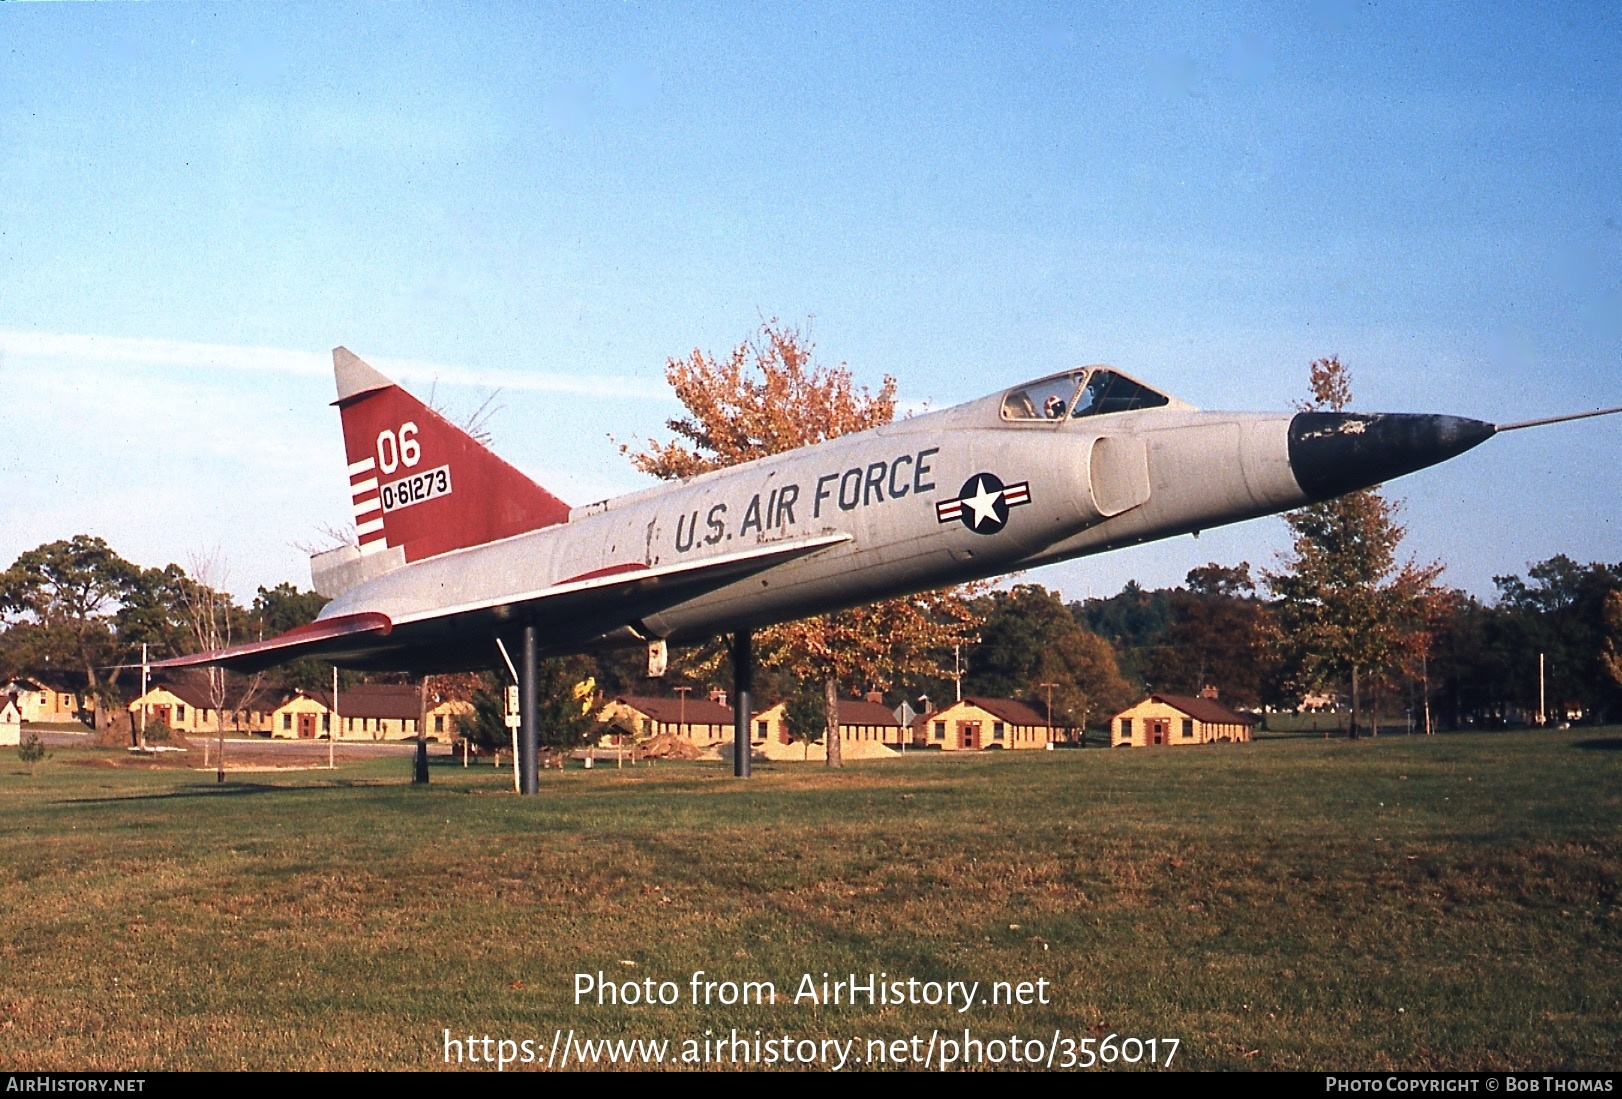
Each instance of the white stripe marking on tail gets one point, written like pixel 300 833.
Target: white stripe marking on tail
pixel 365 465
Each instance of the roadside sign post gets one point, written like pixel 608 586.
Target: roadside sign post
pixel 513 720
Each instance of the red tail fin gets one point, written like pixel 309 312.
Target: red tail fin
pixel 421 483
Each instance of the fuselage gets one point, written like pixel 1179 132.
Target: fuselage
pixel 928 501
pixel 458 554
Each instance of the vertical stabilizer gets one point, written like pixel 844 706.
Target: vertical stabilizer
pixel 421 484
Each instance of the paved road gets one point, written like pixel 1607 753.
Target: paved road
pixel 264 750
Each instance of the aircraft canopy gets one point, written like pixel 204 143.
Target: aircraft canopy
pixel 1093 392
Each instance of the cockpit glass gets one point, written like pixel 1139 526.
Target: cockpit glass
pixel 1107 391
pixel 1048 399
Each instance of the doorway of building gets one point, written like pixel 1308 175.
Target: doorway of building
pixel 1159 731
pixel 968 735
pixel 306 726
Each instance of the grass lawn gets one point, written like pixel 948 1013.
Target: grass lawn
pixel 1442 902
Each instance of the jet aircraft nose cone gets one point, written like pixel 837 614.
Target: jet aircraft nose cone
pixel 1333 453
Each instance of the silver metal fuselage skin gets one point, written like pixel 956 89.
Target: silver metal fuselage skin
pixel 1091 484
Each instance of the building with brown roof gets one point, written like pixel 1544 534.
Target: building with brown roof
pixel 703 722
pixel 1166 720
pixel 977 724
pixel 867 728
pixel 47 698
pixel 367 711
pixel 186 706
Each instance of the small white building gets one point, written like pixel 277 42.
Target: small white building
pixel 11 721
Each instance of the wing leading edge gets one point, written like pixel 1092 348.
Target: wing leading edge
pixel 444 638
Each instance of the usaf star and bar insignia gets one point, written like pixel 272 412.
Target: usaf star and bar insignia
pixel 983 502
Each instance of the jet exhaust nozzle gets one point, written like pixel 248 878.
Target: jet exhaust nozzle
pixel 1333 453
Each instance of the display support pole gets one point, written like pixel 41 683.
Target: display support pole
pixel 420 777
pixel 529 738
pixel 332 720
pixel 743 675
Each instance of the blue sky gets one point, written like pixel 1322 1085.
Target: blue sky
pixel 197 202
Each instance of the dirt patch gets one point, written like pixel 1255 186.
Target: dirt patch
pixel 667 746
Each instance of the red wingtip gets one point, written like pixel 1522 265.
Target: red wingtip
pixel 284 647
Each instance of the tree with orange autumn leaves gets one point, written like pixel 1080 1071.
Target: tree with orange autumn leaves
pixel 770 395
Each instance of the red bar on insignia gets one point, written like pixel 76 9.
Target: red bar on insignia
pixel 949 510
pixel 1017 494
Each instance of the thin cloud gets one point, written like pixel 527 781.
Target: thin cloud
pixel 180 354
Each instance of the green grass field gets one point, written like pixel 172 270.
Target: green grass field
pixel 1443 902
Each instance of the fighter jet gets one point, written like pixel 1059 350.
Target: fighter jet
pixel 461 557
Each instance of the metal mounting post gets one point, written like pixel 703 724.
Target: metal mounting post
pixel 529 736
pixel 743 675
pixel 420 775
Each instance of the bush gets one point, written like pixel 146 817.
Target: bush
pixel 31 751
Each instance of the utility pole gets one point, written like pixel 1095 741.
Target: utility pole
pixel 1425 679
pixel 957 665
pixel 1543 716
pixel 1049 687
pixel 682 693
pixel 140 736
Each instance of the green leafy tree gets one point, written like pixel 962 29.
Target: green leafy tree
pixel 1135 622
pixel 566 710
pixel 1464 670
pixel 1029 638
pixel 805 718
pixel 282 608
pixel 285 607
pixel 66 593
pixel 487 725
pixel 1559 610
pixel 1347 608
pixel 153 613
pixel 1221 635
pixel 1611 648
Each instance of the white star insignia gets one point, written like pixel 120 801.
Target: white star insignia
pixel 984 503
